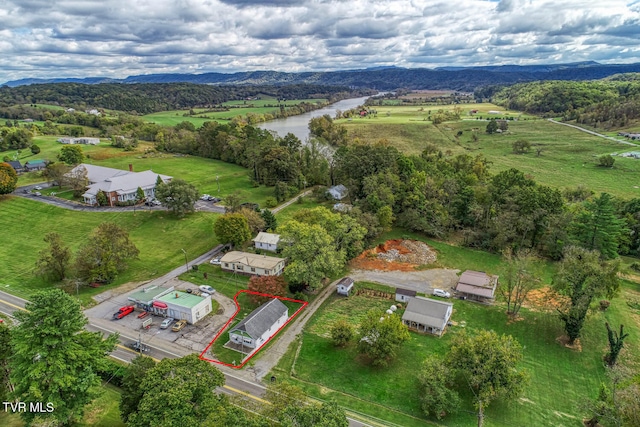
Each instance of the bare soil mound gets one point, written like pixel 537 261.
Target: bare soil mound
pixel 397 254
pixel 545 299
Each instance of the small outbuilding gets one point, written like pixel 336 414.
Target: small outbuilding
pixel 267 241
pixel 403 295
pixel 344 286
pixel 16 165
pixel 427 315
pixel 338 192
pixel 260 325
pixel 477 285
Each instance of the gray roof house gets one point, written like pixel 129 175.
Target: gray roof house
pixel 477 285
pixel 118 185
pixel 267 241
pixel 338 192
pixel 260 325
pixel 427 315
pixel 16 165
pixel 35 165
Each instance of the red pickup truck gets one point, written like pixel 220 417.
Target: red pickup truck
pixel 127 309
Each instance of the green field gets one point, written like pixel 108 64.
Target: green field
pixel 560 378
pixel 568 156
pixel 236 108
pixel 158 235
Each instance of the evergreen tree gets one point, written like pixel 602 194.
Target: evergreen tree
pixel 597 226
pixel 270 221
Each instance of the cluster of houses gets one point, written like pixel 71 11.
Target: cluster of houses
pixel 431 316
pixel 632 136
pixel 30 166
pixel 81 140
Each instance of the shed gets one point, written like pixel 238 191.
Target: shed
pixel 477 285
pixel 427 315
pixel 16 165
pixel 267 241
pixel 403 295
pixel 260 325
pixel 338 192
pixel 344 286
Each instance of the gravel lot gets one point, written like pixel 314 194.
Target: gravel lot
pixel 420 281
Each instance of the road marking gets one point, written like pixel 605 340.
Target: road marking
pixel 244 393
pixel 12 305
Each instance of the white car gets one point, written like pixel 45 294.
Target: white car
pixel 37 187
pixel 215 261
pixel 441 293
pixel 166 323
pixel 206 288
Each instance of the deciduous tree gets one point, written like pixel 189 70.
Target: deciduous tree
pixel 254 220
pixel 5 353
pixel 341 332
pixel 178 393
pixel 519 280
pixel 54 359
pixel 105 254
pixel 616 342
pixel 132 391
pixel 583 276
pixel 53 261
pixel 178 195
pixel 272 285
pixel 380 336
pixel 488 364
pixel 55 172
pixel 232 228
pixel 71 154
pixel 437 389
pixel 311 253
pixel 8 178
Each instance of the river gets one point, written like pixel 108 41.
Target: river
pixel 299 125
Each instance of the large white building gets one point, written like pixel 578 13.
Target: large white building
pixel 120 186
pixel 168 302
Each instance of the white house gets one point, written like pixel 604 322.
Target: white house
pixel 267 241
pixel 403 295
pixel 118 185
pixel 260 325
pixel 427 315
pixel 344 286
pixel 249 264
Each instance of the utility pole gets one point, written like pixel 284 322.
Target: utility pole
pixel 185 259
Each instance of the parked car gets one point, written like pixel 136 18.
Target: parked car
pixel 441 293
pixel 166 323
pixel 215 199
pixel 153 202
pixel 215 261
pixel 206 288
pixel 37 193
pixel 177 327
pixel 37 187
pixel 124 311
pixel 206 197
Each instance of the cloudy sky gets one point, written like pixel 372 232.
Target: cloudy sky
pixel 118 38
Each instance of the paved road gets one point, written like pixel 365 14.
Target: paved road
pixel 621 141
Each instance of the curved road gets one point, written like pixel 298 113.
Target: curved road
pixel 594 133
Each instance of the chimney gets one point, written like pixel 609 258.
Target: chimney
pixel 130 167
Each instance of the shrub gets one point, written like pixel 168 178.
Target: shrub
pixel 301 296
pixel 604 304
pixel 606 161
pixel 271 202
pixel 341 333
pixel 635 266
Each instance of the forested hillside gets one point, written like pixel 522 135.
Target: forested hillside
pixel 151 98
pixel 609 103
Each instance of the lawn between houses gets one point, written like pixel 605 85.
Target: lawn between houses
pixel 158 235
pixel 560 378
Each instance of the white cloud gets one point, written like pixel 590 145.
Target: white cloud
pixel 117 38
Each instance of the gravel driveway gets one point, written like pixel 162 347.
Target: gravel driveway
pixel 420 281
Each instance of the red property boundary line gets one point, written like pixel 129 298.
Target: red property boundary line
pixel 222 330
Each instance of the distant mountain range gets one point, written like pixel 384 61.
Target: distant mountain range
pixel 382 78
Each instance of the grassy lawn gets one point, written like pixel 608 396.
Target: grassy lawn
pixel 102 412
pixel 560 377
pixel 156 234
pixel 568 158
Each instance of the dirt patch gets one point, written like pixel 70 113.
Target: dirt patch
pixel 564 340
pixel 395 255
pixel 545 299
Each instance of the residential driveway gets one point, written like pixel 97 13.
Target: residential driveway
pixel 420 281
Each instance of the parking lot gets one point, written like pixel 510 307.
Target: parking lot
pixel 192 337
